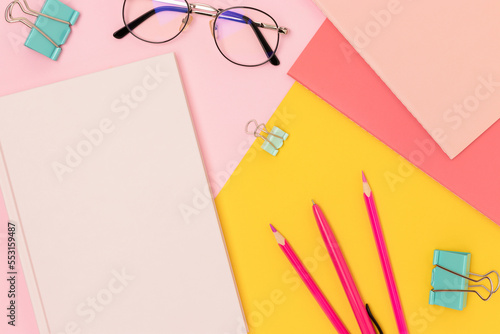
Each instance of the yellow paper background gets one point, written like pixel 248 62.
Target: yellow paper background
pixel 322 160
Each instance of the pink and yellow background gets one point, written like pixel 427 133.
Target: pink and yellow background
pixel 418 216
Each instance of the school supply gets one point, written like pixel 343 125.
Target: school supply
pixel 309 282
pixel 384 257
pixel 343 272
pixel 450 280
pixel 51 28
pixel 441 66
pixel 333 70
pixel 116 224
pixel 274 139
pixel 416 217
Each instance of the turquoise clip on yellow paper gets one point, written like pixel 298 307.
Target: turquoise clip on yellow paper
pixel 274 139
pixel 51 28
pixel 450 280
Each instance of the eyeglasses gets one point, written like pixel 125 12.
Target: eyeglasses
pixel 245 36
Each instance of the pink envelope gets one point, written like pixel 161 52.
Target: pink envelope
pixel 332 69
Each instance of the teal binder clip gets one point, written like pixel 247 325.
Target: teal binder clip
pixel 274 139
pixel 450 280
pixel 51 28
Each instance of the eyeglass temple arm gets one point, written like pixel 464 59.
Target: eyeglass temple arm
pixel 228 15
pixel 263 42
pixel 125 30
pixel 122 32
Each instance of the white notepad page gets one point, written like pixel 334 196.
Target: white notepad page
pixel 118 230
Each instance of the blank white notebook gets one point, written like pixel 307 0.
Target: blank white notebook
pixel 118 230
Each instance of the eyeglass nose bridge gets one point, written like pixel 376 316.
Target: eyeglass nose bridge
pixel 203 9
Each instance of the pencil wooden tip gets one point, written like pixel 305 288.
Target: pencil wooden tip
pixel 279 237
pixel 366 187
pixel 313 202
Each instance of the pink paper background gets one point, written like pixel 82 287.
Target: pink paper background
pixel 333 70
pixel 222 96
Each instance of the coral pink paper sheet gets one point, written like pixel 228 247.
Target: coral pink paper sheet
pixel 332 69
pixel 441 59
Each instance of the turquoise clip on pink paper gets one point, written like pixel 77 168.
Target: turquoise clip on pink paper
pixel 51 28
pixel 450 280
pixel 274 139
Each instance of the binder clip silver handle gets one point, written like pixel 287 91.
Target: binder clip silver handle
pixel 49 30
pixel 27 10
pixel 261 128
pixel 491 291
pixel 9 17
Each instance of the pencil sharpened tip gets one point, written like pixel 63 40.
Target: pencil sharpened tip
pixel 364 177
pixel 272 228
pixel 313 202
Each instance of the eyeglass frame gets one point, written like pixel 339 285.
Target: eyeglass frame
pixel 194 8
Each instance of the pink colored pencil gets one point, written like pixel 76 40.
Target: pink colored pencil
pixel 345 276
pixel 308 280
pixel 384 257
